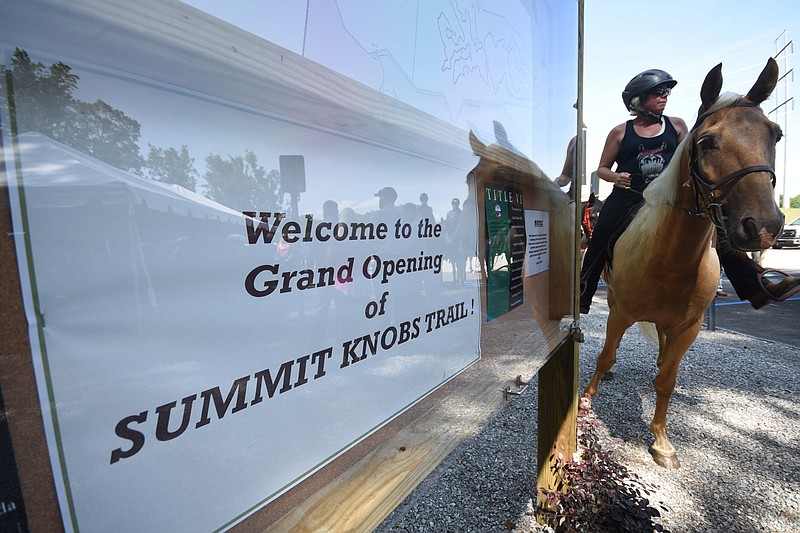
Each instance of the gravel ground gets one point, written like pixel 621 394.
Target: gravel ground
pixel 732 419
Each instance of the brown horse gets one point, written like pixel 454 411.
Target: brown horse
pixel 664 270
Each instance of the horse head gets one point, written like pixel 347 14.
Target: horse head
pixel 733 160
pixel 504 162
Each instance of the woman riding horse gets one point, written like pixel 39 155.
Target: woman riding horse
pixel 641 149
pixel 664 270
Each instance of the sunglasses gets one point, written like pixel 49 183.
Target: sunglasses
pixel 661 91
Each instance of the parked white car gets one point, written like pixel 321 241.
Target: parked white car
pixel 790 236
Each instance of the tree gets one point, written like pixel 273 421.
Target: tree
pixel 241 183
pixel 169 165
pixel 42 100
pixel 41 96
pixel 106 134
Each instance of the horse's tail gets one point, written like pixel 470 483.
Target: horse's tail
pixel 649 331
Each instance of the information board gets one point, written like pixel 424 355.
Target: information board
pixel 233 242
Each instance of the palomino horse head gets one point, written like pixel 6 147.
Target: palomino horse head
pixel 733 160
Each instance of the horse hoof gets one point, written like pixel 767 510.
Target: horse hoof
pixel 670 462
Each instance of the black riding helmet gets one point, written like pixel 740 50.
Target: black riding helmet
pixel 643 82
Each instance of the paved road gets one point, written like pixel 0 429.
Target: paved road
pixel 778 321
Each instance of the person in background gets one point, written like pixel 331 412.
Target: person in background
pixel 425 211
pixel 570 169
pixel 457 257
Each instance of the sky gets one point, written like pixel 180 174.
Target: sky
pixel 687 38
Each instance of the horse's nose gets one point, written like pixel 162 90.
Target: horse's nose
pixel 754 235
pixel 750 229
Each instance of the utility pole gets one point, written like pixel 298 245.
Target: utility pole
pixel 785 103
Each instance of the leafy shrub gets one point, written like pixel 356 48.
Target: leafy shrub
pixel 597 493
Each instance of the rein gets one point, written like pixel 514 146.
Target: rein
pixel 708 195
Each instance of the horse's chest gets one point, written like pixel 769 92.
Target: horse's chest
pixel 666 300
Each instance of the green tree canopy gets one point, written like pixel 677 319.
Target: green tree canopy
pixel 169 165
pixel 241 183
pixel 42 100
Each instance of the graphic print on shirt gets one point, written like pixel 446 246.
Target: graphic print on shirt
pixel 651 160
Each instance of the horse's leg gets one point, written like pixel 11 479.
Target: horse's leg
pixel 661 340
pixel 669 359
pixel 615 328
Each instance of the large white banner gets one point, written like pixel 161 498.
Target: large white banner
pixel 197 362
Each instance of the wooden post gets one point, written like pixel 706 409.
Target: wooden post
pixel 557 413
pixel 558 378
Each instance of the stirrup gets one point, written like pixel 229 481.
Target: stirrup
pixel 789 290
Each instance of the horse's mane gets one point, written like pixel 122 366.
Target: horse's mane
pixel 659 196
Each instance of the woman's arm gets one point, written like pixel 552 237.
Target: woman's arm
pixel 609 156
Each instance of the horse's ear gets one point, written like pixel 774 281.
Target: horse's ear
pixel 712 85
pixel 478 148
pixel 765 83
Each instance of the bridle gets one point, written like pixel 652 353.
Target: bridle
pixel 709 196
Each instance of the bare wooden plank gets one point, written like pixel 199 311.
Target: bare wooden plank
pixel 558 409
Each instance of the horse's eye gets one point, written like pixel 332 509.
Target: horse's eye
pixel 706 142
pixel 779 136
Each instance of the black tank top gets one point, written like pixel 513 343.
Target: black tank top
pixel 645 157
